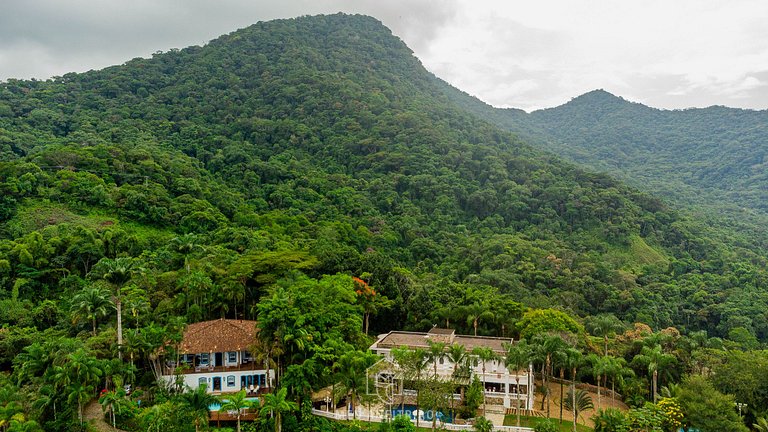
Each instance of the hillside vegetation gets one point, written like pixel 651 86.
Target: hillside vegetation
pixel 252 177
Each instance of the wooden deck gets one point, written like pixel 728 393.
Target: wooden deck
pixel 217 416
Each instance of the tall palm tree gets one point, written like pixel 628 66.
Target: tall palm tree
pixel 616 369
pixel 457 354
pixel 654 359
pixel 236 403
pixel 436 352
pixel 544 348
pixel 560 361
pixel 111 403
pixel 419 365
pixel 198 402
pixel 476 312
pixel 276 405
pixel 79 393
pixel 600 368
pixel 351 372
pixel 579 401
pixel 573 360
pixel 484 354
pixel 604 325
pixel 116 272
pixel 518 358
pixel 91 303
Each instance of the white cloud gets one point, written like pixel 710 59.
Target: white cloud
pixel 523 54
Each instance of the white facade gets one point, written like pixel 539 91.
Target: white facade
pixel 498 381
pixel 223 381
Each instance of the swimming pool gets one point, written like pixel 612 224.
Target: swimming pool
pixel 426 415
pixel 217 406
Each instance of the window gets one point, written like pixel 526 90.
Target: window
pixel 442 360
pixel 230 381
pixel 232 357
pixel 204 359
pixel 202 381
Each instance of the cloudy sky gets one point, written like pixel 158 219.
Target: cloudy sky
pixel 524 54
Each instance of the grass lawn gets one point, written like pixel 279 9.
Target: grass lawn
pixel 527 421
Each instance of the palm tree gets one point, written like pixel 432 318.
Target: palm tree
pixel 600 368
pixel 198 402
pixel 573 359
pixel 351 372
pixel 436 352
pixel 616 369
pixel 476 312
pixel 236 402
pixel 484 354
pixel 544 348
pixel 116 272
pixel 604 325
pixel 457 354
pixel 654 359
pixel 561 361
pixel 185 245
pixel 578 401
pixel 761 425
pixel 264 349
pixel 518 358
pixel 276 405
pixel 79 393
pixel 90 304
pixel 419 365
pixel 111 403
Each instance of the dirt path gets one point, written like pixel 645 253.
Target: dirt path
pixel 584 417
pixel 94 416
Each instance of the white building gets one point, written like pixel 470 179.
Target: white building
pixel 500 383
pixel 215 353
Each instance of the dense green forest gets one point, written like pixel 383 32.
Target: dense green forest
pixel 707 161
pixel 253 177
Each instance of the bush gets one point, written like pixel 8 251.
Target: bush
pixel 546 426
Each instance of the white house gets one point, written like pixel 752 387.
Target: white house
pixel 500 383
pixel 215 353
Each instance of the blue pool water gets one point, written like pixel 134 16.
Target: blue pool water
pixel 216 406
pixel 427 415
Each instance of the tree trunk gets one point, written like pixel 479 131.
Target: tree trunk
pixel 94 325
pixel 119 305
pixel 517 381
pixel 417 407
pixel 573 397
pixel 366 322
pixel 598 391
pixel 562 379
pixel 483 384
pixel 655 377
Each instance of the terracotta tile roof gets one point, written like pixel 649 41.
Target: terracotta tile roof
pixel 414 340
pixel 218 336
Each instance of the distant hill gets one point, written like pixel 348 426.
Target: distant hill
pixel 698 156
pixel 321 144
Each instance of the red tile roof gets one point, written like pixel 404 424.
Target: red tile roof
pixel 218 336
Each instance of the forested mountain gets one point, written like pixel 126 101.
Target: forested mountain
pixel 295 149
pixel 327 137
pixel 706 159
